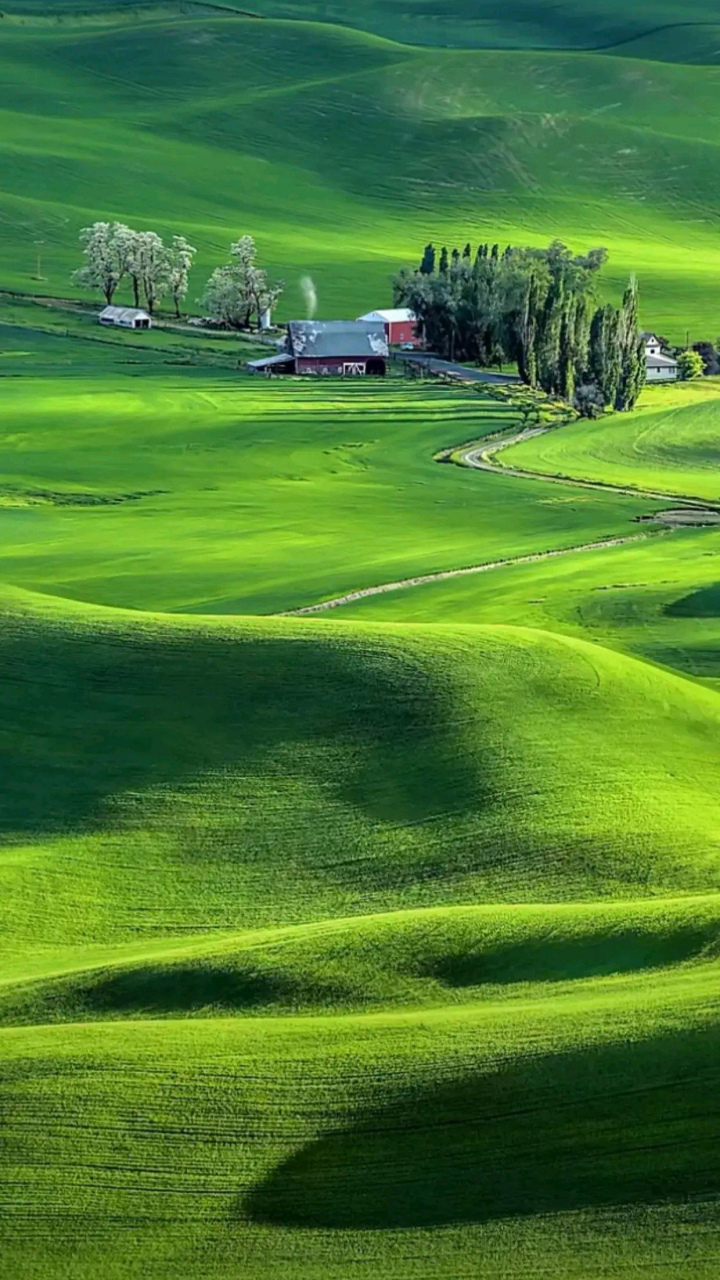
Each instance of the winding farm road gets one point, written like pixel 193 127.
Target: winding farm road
pixel 443 574
pixel 481 457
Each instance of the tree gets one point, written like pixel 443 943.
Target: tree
pixel 240 290
pixel 604 355
pixel 690 365
pixel 179 261
pixel 150 264
pixel 107 249
pixel 427 266
pixel 633 362
pixel 444 260
pixel 709 354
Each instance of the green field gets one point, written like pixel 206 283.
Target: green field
pixel 382 942
pixel 204 126
pixel 670 444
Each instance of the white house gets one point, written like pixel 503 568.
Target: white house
pixel 660 368
pixel 125 317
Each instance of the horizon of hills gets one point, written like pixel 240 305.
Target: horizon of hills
pixel 204 124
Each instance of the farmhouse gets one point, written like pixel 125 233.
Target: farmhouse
pixel 345 348
pixel 660 368
pixel 399 322
pixel 125 317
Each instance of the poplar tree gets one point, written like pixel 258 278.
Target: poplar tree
pixel 633 363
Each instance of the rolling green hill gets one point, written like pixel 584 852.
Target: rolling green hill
pixel 381 943
pixel 205 125
pixel 186 789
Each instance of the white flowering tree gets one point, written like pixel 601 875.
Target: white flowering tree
pixel 107 248
pixel 179 261
pixel 240 291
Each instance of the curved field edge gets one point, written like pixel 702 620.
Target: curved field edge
pixel 668 444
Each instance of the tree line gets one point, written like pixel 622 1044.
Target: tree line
pixel 237 293
pixel 535 308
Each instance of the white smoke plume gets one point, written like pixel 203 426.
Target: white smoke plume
pixel 309 293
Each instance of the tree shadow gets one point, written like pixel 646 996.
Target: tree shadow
pixel 627 1123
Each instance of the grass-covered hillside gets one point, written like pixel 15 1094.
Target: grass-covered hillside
pixel 380 942
pixel 248 1025
pixel 670 444
pixel 344 152
pixel 329 946
pixel 594 24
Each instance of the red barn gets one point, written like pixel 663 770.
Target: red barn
pixel 400 327
pixel 344 348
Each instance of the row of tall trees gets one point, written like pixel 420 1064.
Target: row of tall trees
pixel 536 308
pixel 237 293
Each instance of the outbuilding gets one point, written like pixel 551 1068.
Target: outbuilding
pixel 660 368
pixel 400 325
pixel 343 348
pixel 126 317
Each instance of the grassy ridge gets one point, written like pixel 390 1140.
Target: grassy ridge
pixel 204 126
pixel 222 775
pixel 597 24
pixel 562 1137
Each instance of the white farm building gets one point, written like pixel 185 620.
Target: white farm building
pixel 125 317
pixel 660 368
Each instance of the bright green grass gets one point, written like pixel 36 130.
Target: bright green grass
pixel 671 444
pixel 659 599
pixel 218 493
pixel 206 126
pixel 185 789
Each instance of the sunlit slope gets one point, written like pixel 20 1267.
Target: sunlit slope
pixel 218 125
pixel 197 490
pixel 164 776
pixel 428 956
pixel 671 444
pixel 572 1136
pixel 658 598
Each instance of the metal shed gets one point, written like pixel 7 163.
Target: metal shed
pixel 126 317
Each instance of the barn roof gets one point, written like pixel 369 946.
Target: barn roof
pixel 390 315
pixel 124 313
pixel 351 338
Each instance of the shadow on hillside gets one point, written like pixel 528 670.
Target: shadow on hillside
pixel 181 989
pixel 703 603
pixel 555 958
pixel 90 715
pixel 630 1123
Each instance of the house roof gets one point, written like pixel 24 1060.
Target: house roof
pixel 661 362
pixel 124 313
pixel 390 315
pixel 353 339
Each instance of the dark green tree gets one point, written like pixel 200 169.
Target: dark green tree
pixel 427 266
